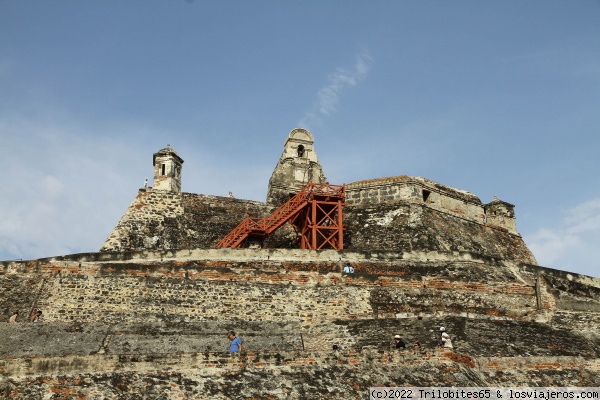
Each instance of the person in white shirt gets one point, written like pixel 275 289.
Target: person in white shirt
pixel 445 340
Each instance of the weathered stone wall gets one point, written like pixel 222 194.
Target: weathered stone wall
pixel 278 375
pixel 87 338
pixel 120 283
pixel 436 196
pixel 417 189
pixel 303 291
pixel 409 226
pixel 144 222
pixel 159 220
pixel 151 324
pixel 164 220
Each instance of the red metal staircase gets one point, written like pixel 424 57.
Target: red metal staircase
pixel 315 212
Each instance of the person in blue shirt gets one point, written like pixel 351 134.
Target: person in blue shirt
pixel 235 346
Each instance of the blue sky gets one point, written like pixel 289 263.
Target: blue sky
pixel 496 98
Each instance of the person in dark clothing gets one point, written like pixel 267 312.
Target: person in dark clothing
pixel 399 342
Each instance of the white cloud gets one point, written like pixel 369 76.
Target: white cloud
pixel 574 243
pixel 52 186
pixel 550 245
pixel 328 96
pixel 61 193
pixel 585 217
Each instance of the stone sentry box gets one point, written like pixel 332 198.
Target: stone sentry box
pixel 167 170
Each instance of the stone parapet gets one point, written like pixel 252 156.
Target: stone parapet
pixel 404 187
pixel 458 203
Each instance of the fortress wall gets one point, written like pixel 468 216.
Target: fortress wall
pixel 55 339
pixel 418 190
pixel 164 220
pixel 298 291
pixel 151 325
pixel 388 213
pixel 306 375
pixel 584 322
pixel 148 211
pixel 377 191
pixel 217 362
pixel 408 227
pixel 476 335
pixel 311 294
pixel 18 292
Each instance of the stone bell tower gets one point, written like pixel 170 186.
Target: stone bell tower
pixel 297 166
pixel 167 170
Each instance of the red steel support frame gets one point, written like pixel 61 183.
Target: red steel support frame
pixel 320 223
pixel 315 212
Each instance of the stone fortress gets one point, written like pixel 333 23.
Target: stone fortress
pixel 146 316
pixel 380 214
